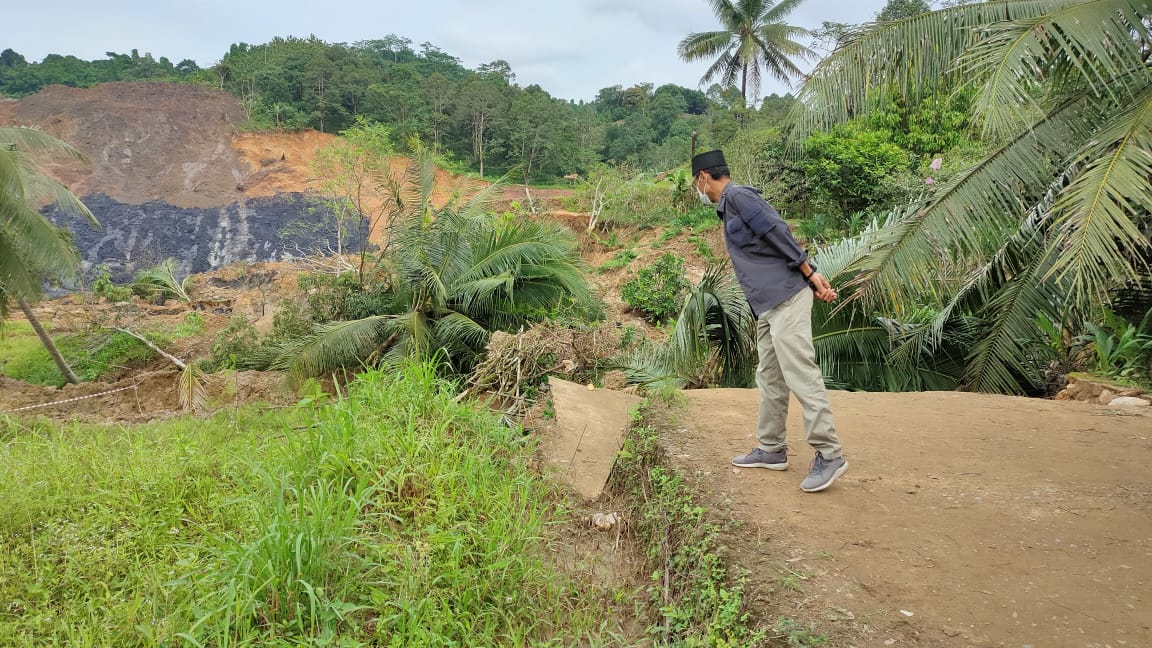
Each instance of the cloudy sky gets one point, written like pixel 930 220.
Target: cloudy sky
pixel 572 48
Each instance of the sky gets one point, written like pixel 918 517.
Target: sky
pixel 571 48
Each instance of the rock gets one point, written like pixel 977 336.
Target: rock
pixel 1128 401
pixel 1106 396
pixel 605 521
pixel 1073 388
pixel 1065 395
pixel 949 631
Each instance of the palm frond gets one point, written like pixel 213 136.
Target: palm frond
pixel 36 141
pixel 1101 40
pixel 968 212
pixel 336 345
pixel 715 326
pixel 1099 241
pixel 702 45
pixel 916 56
pixel 192 390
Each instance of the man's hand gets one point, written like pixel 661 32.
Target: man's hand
pixel 823 289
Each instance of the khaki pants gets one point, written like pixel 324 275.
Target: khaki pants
pixel 788 363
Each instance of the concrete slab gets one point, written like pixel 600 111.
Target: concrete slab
pixel 590 429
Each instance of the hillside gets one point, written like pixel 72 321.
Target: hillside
pixel 169 174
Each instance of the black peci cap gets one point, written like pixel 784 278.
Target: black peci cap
pixel 708 160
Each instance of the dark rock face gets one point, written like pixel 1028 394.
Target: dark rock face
pixel 131 237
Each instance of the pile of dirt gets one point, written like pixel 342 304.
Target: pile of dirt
pixel 143 141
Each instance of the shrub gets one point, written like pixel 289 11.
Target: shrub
pixel 289 322
pixel 235 347
pixel 102 285
pixel 656 289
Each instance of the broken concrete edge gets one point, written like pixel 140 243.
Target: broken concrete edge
pixel 590 428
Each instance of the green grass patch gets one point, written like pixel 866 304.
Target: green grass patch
pixel 91 355
pixel 393 516
pixel 619 260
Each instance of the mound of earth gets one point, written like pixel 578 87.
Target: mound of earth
pixel 143 141
pixel 182 145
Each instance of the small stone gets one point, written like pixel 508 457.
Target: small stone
pixel 1106 396
pixel 907 613
pixel 949 631
pixel 1065 395
pixel 605 521
pixel 1128 401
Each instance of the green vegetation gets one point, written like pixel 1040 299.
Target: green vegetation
pixel 622 259
pixel 390 515
pixel 712 342
pixel 449 277
pixel 754 36
pixel 19 78
pixel 656 290
pixel 160 282
pixel 694 595
pixel 92 355
pixel 32 250
pixel 1051 223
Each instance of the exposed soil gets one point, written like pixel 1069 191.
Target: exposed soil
pixel 143 141
pixel 993 521
pixel 181 145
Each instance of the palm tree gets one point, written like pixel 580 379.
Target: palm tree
pixel 753 36
pixel 1056 216
pixel 712 343
pixel 448 278
pixel 33 250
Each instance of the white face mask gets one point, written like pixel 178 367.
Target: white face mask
pixel 704 197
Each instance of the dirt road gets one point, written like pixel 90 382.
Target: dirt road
pixel 964 519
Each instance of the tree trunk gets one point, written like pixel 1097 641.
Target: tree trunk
pixel 69 375
pixel 744 84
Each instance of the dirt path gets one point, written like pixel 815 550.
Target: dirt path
pixel 994 521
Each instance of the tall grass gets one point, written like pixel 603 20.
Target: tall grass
pixel 392 516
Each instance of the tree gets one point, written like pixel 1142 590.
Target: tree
pixel 1056 216
pixel 33 250
pixel 902 9
pixel 753 36
pixel 451 277
pixel 481 102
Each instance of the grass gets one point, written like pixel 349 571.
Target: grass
pixel 91 354
pixel 392 516
pixel 621 259
pixel 694 597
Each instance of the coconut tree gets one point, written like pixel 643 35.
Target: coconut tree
pixel 32 249
pixel 1056 216
pixel 449 277
pixel 753 36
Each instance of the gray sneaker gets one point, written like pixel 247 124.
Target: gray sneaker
pixel 823 473
pixel 762 459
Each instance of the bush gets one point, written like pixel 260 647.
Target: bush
pixel 236 347
pixel 289 322
pixel 656 290
pixel 853 168
pixel 102 285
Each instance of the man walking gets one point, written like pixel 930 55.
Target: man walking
pixel 779 282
